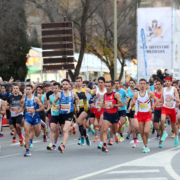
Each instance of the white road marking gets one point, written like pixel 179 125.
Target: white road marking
pixel 24 141
pixel 134 171
pixel 10 155
pixel 153 160
pixel 132 141
pixel 159 178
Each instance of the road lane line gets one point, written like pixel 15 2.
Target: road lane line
pixel 10 155
pixel 159 178
pixel 133 171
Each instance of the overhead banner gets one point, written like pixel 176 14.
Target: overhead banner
pixel 157 26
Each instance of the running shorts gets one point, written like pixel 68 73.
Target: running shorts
pixel 157 115
pixel 42 116
pixel 66 117
pixel 82 110
pixel 56 120
pixel 98 114
pixel 32 120
pixel 17 120
pixel 122 113
pixel 112 118
pixel 144 116
pixel 170 112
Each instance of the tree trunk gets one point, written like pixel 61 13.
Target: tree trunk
pixel 122 70
pixel 111 73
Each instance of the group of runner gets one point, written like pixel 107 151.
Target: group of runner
pixel 104 107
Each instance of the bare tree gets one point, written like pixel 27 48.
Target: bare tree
pixel 79 12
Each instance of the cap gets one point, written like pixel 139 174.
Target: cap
pixel 47 85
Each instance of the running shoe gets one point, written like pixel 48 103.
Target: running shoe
pixel 30 145
pixel 54 147
pixel 14 140
pixel 92 129
pixel 74 129
pixel 146 150
pixel 79 137
pixel 81 142
pixel 139 137
pixel 49 147
pixel 110 142
pixel 152 126
pixel 158 137
pixel 21 142
pixel 160 145
pixel 164 136
pixel 88 142
pixel 96 139
pixel 134 145
pixel 127 122
pixel 45 139
pixel 12 133
pixel 173 135
pixel 27 154
pixel 1 135
pixel 122 128
pixel 105 149
pixel 100 146
pixel 61 149
pixel 128 136
pixel 121 139
pixel 116 139
pixel 176 142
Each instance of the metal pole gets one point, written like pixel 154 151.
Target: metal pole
pixel 115 39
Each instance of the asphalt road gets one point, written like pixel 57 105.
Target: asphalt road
pixel 122 162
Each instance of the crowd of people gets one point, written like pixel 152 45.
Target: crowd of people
pixel 96 106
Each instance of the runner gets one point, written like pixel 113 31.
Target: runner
pixel 55 118
pixel 110 103
pixel 66 110
pixel 84 111
pixel 2 113
pixel 121 111
pixel 144 114
pixel 170 96
pixel 130 92
pixel 157 110
pixel 30 105
pixel 13 103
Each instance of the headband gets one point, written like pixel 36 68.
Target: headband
pixel 168 78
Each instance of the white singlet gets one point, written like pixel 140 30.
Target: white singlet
pixel 168 102
pixel 144 103
pixel 99 100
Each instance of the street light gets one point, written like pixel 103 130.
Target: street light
pixel 115 39
pixel 125 70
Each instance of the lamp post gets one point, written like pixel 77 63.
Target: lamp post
pixel 115 39
pixel 125 70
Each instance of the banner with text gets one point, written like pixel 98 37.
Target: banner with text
pixel 157 26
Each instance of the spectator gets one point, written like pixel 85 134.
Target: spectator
pixel 160 75
pixel 151 80
pixel 166 73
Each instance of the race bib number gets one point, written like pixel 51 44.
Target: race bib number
pixel 133 108
pixel 169 105
pixel 107 105
pixel 81 102
pixel 54 108
pixel 29 109
pixel 65 107
pixel 144 106
pixel 160 104
pixel 14 109
pixel 5 102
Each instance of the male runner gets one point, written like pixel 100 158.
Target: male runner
pixel 130 93
pixel 169 96
pixel 121 111
pixel 99 94
pixel 66 110
pixel 144 114
pixel 157 110
pixel 13 103
pixel 84 111
pixel 30 105
pixel 4 96
pixel 2 113
pixel 110 103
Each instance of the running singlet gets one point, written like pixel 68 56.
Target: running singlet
pixel 160 104
pixel 66 103
pixel 14 102
pixel 42 99
pixel 144 103
pixel 30 104
pixel 83 103
pixel 4 97
pixel 99 100
pixel 109 100
pixel 54 111
pixel 168 102
pixel 130 93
